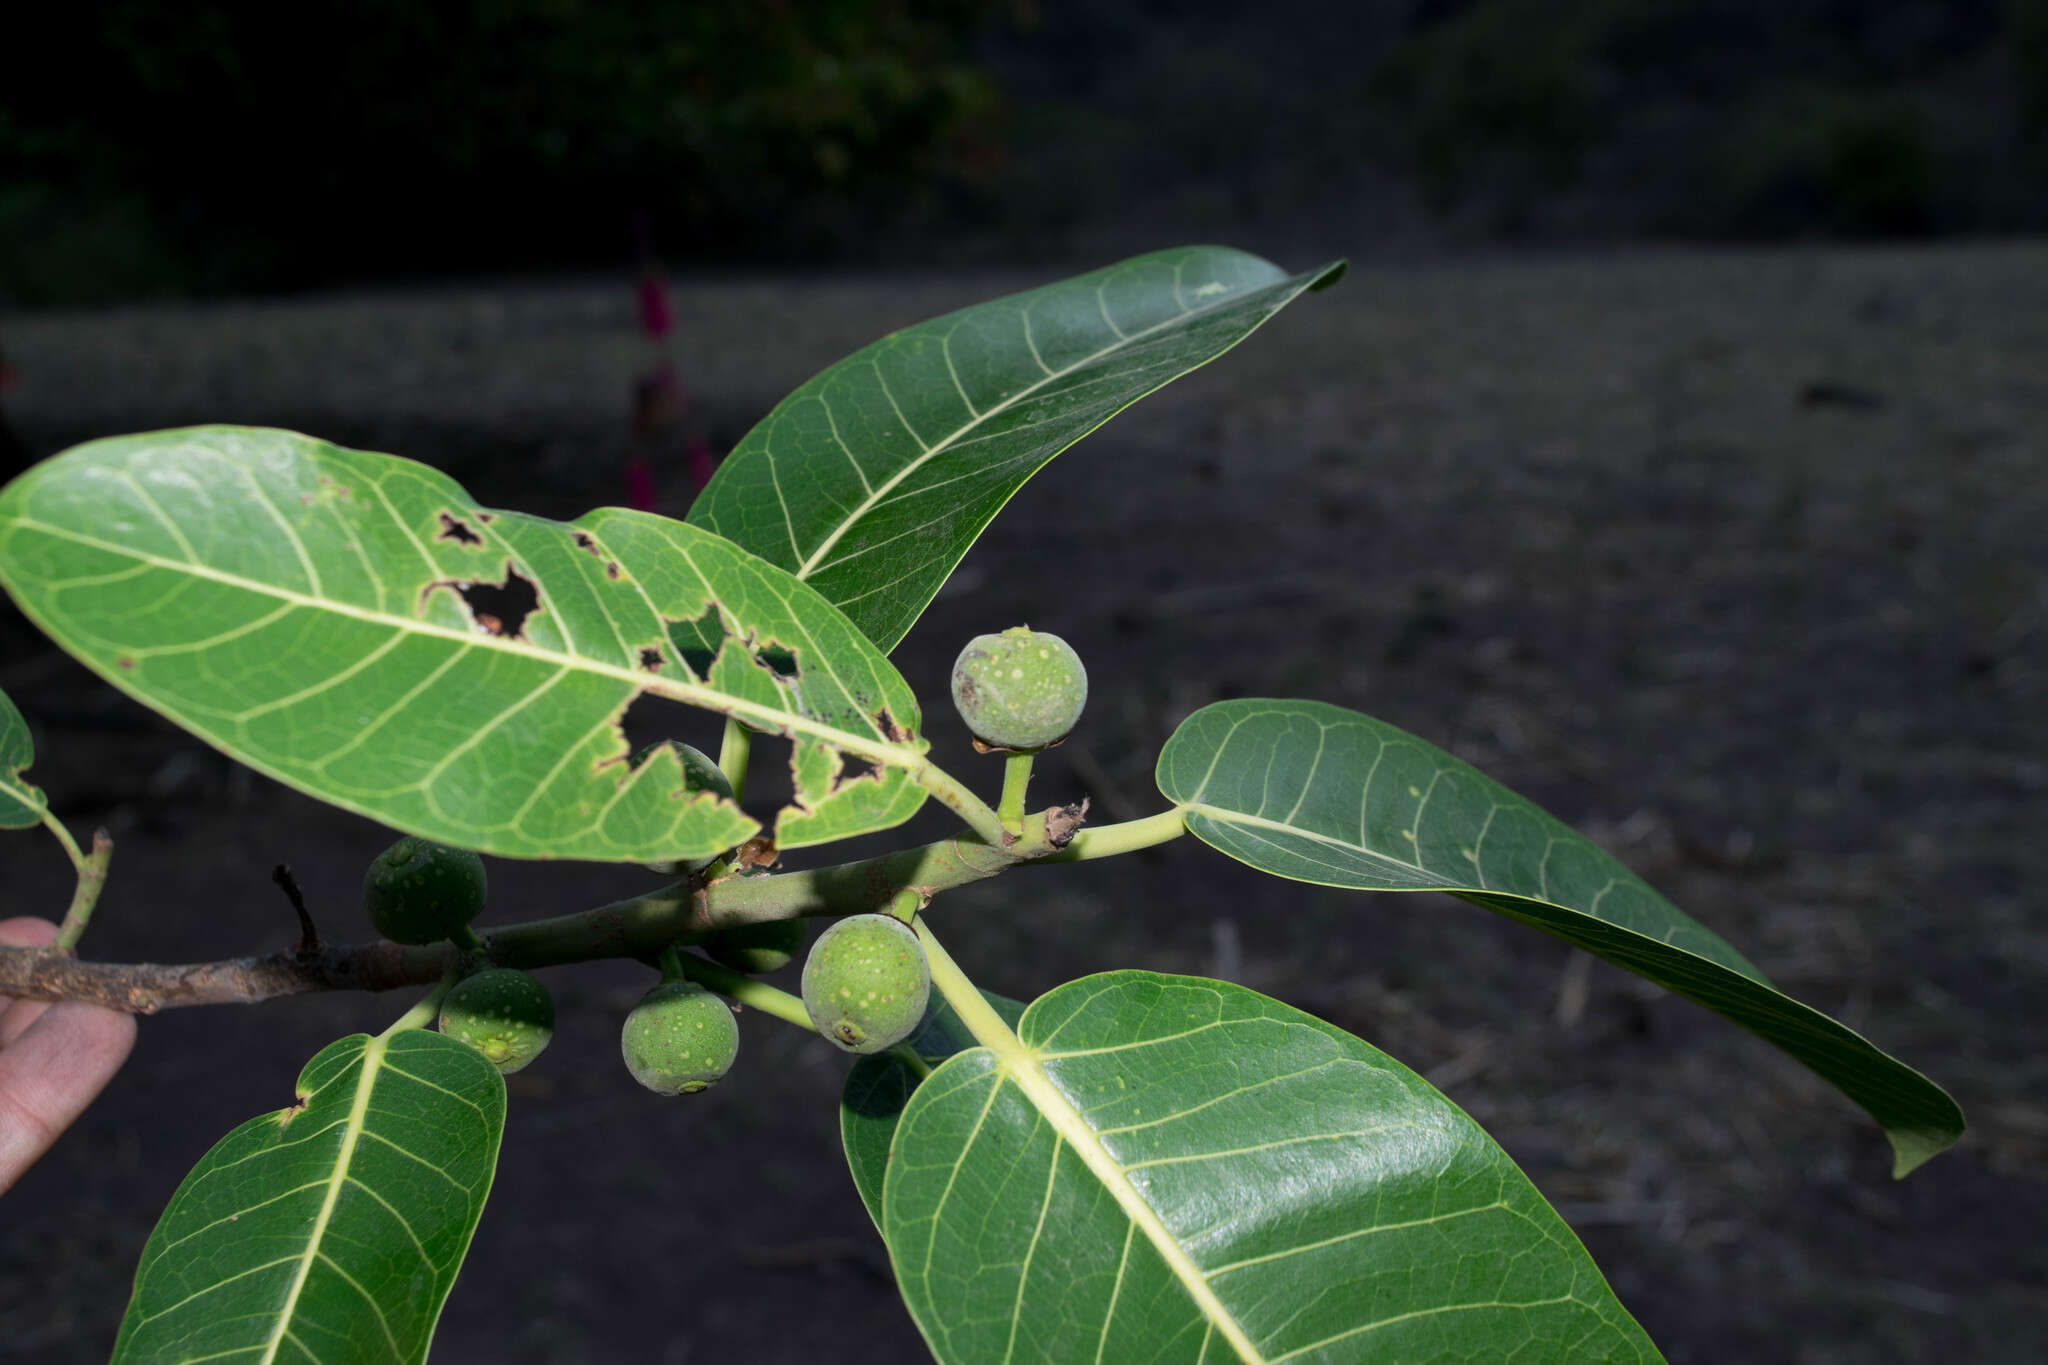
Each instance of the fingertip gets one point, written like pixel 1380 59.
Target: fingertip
pixel 27 931
pixel 104 1037
pixel 51 1073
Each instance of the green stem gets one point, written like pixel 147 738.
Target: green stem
pixel 56 827
pixel 640 926
pixel 906 1054
pixel 1106 841
pixel 428 1006
pixel 733 750
pixel 1016 777
pixel 744 989
pixel 92 879
pixel 466 939
pixel 962 802
pixel 980 1017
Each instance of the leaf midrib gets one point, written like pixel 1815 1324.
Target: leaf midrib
pixel 689 694
pixel 359 1108
pixel 27 793
pixel 1024 1066
pixel 952 438
pixel 1236 817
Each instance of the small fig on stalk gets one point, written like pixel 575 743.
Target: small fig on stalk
pixel 505 1014
pixel 866 982
pixel 417 891
pixel 757 948
pixel 1021 690
pixel 679 1039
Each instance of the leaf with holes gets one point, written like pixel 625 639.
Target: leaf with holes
pixel 878 1086
pixel 1314 792
pixel 331 1230
pixel 873 479
pixel 1165 1168
pixel 22 803
pixel 354 625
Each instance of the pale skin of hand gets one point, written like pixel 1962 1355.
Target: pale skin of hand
pixel 54 1059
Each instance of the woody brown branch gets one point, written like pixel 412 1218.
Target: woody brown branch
pixel 146 987
pixel 639 927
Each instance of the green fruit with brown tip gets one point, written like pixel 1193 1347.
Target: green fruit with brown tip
pixel 757 948
pixel 866 982
pixel 418 891
pixel 1020 690
pixel 505 1014
pixel 679 1039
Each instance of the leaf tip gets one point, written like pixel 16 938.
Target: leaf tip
pixel 1913 1148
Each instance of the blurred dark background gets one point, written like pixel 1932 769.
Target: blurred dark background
pixel 1674 452
pixel 237 147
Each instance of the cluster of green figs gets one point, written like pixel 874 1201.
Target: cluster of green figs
pixel 866 983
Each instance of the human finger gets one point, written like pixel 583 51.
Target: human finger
pixel 51 1073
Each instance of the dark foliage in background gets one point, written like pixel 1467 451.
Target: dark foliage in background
pixel 217 146
pixel 1740 118
pixel 238 144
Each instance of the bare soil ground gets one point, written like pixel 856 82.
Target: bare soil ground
pixel 1735 561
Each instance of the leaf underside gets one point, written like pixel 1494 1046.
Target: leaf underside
pixel 22 803
pixel 1318 793
pixel 1170 1169
pixel 330 1231
pixel 356 626
pixel 872 480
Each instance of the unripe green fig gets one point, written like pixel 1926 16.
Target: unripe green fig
pixel 1020 690
pixel 700 773
pixel 757 948
pixel 866 982
pixel 679 1039
pixel 505 1014
pixel 417 891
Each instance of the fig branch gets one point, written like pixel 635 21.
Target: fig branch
pixel 638 927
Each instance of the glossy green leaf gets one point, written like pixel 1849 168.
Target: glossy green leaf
pixel 330 1231
pixel 22 803
pixel 878 1086
pixel 872 480
pixel 354 625
pixel 1170 1169
pixel 1314 792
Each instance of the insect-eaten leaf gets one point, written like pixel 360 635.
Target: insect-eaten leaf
pixel 354 625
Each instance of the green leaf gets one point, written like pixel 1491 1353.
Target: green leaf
pixel 22 803
pixel 1314 792
pixel 332 1230
pixel 878 1086
pixel 354 625
pixel 1164 1168
pixel 873 479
